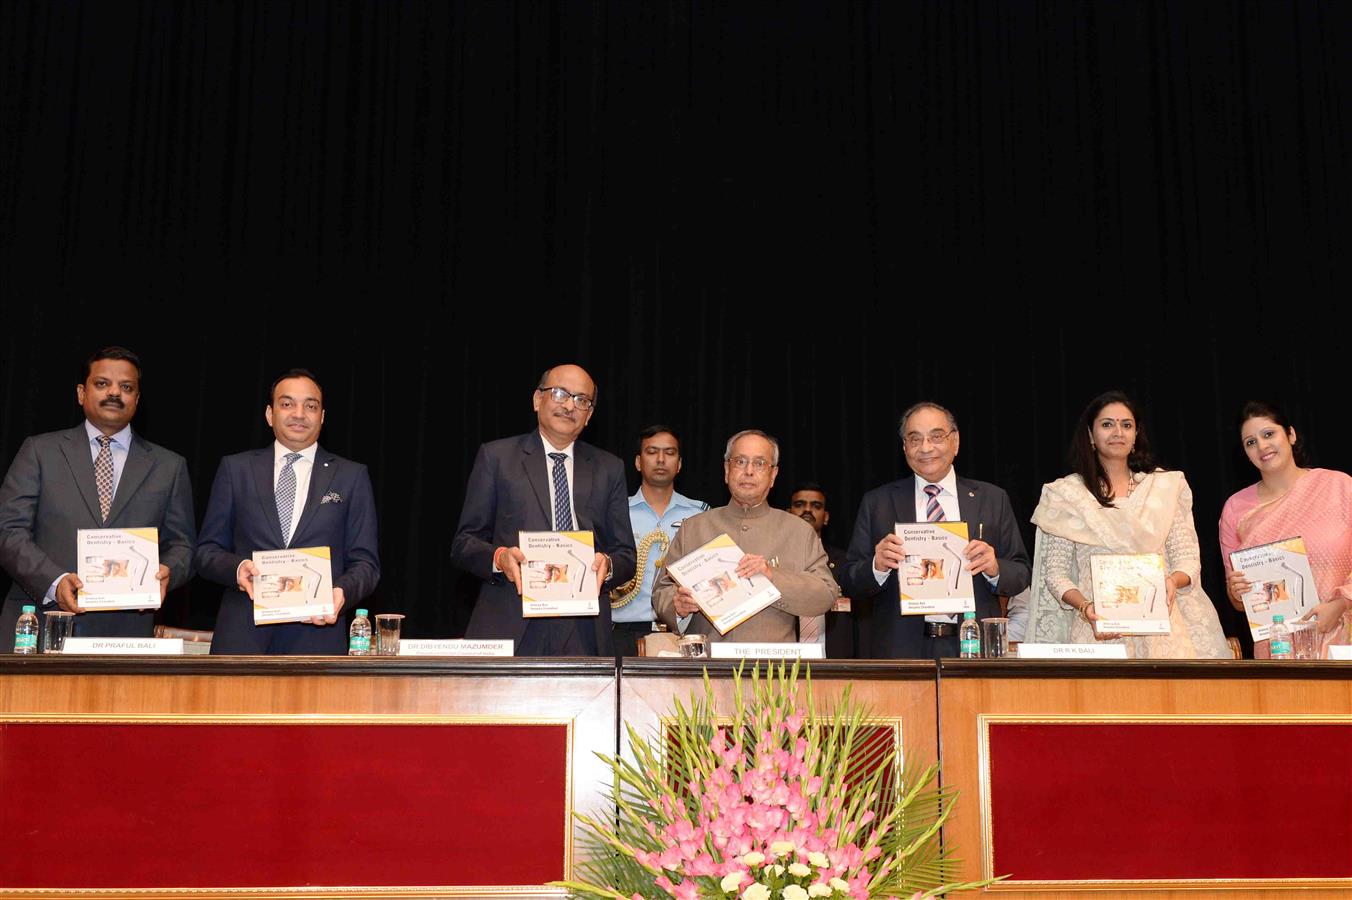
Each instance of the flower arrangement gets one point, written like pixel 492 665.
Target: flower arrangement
pixel 778 802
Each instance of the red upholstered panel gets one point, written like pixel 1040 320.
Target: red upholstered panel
pixel 257 805
pixel 1171 800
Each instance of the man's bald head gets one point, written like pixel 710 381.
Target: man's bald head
pixel 564 400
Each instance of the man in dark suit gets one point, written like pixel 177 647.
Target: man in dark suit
pixel 838 627
pixel 546 480
pixel 99 474
pixel 293 493
pixel 995 556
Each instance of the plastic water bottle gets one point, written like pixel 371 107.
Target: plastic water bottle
pixel 969 637
pixel 1279 639
pixel 26 631
pixel 359 635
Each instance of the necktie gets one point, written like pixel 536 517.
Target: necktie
pixel 103 475
pixel 286 496
pixel 563 511
pixel 933 511
pixel 810 629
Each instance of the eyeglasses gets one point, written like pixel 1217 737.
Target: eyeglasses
pixel 938 438
pixel 759 464
pixel 561 395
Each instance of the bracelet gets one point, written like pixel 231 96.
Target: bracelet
pixel 1084 611
pixel 497 565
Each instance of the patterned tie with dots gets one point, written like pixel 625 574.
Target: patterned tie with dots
pixel 286 496
pixel 563 512
pixel 103 475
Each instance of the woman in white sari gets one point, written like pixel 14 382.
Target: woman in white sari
pixel 1117 501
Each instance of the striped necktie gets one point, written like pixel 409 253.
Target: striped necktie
pixel 933 511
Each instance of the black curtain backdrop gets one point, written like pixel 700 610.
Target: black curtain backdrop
pixel 799 216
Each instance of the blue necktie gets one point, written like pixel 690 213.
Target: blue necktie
pixel 563 511
pixel 286 496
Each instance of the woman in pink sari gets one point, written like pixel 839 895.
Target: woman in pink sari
pixel 1289 501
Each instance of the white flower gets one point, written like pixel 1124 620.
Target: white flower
pixel 819 890
pixel 775 870
pixel 798 870
pixel 753 859
pixel 794 892
pixel 781 848
pixel 731 881
pixel 756 892
pixel 841 885
pixel 819 859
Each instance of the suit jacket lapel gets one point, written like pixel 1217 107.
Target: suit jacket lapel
pixel 81 461
pixel 533 465
pixel 267 496
pixel 969 506
pixel 134 471
pixel 321 476
pixel 582 484
pixel 903 500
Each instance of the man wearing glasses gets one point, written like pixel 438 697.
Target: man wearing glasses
pixel 545 480
pixel 934 493
pixel 776 544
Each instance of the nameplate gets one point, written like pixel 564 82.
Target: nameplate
pixel 1340 651
pixel 1072 651
pixel 455 648
pixel 124 646
pixel 744 650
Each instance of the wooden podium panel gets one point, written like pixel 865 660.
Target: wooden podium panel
pixel 296 777
pixel 1149 779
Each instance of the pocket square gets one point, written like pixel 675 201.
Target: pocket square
pixel 331 497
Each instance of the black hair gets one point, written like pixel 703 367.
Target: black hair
pixel 807 486
pixel 293 373
pixel 1084 460
pixel 113 352
pixel 1258 409
pixel 654 431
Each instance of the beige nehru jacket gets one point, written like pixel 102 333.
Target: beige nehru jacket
pixel 802 574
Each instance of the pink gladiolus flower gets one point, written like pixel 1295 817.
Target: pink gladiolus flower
pixel 687 890
pixel 794 723
pixel 665 884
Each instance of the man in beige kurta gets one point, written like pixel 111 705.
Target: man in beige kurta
pixel 777 545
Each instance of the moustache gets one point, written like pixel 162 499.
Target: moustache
pixel 111 402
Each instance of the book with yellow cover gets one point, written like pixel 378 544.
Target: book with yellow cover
pixel 1282 583
pixel 726 599
pixel 1129 593
pixel 292 585
pixel 117 568
pixel 557 577
pixel 933 576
